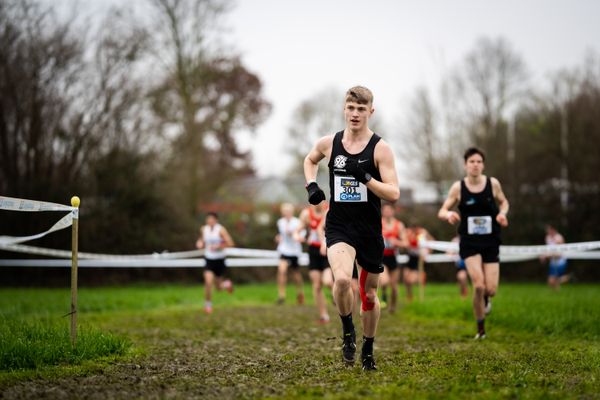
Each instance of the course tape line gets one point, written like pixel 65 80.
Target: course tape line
pixel 181 263
pixel 14 204
pixel 242 262
pixel 63 223
pixel 230 252
pixel 531 251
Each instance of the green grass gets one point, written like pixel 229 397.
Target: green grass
pixel 573 311
pixel 26 345
pixel 541 344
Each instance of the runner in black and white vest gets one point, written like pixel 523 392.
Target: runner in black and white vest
pixel 214 238
pixel 361 174
pixel 483 207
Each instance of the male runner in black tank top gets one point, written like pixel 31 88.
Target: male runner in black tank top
pixel 361 173
pixel 480 221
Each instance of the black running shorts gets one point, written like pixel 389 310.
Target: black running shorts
pixel 316 260
pixel 489 253
pixel 291 260
pixel 369 249
pixel 217 266
pixel 390 262
pixel 413 262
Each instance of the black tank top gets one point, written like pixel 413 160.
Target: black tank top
pixel 478 213
pixel 352 205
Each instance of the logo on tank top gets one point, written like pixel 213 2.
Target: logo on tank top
pixel 339 161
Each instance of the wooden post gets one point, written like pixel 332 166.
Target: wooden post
pixel 420 272
pixel 74 250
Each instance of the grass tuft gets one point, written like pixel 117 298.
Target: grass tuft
pixel 35 344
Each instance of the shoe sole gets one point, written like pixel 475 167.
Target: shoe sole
pixel 348 361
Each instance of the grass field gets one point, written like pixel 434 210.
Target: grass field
pixel 158 344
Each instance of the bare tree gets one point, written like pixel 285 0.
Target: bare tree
pixel 321 114
pixel 475 102
pixel 486 88
pixel 202 100
pixel 61 106
pixel 424 144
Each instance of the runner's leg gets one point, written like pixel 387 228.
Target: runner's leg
pixel 282 278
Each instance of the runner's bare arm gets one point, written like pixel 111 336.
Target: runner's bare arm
pixel 503 204
pixel 453 198
pixel 321 150
pixel 304 222
pixel 388 188
pixel 403 239
pixel 227 240
pixel 321 233
pixel 200 241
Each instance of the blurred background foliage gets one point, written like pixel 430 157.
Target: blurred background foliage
pixel 139 117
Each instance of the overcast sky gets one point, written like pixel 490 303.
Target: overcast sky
pixel 301 47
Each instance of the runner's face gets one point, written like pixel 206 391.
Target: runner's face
pixel 387 212
pixel 474 165
pixel 211 220
pixel 357 115
pixel 287 212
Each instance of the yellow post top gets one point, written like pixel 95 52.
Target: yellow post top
pixel 75 201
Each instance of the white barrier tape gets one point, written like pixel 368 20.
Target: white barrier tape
pixel 63 223
pixel 446 247
pixel 231 252
pixel 241 262
pixel 588 255
pixel 551 248
pixel 22 248
pixel 239 252
pixel 185 263
pixel 537 250
pixel 14 204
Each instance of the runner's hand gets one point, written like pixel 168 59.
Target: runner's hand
pixel 452 217
pixel 353 168
pixel 315 194
pixel 502 220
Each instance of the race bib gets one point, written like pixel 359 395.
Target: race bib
pixel 479 225
pixel 348 189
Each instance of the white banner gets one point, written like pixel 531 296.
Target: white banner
pixel 14 204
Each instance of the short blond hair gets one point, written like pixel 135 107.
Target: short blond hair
pixel 360 95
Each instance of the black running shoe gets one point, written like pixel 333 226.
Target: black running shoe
pixel 368 362
pixel 349 347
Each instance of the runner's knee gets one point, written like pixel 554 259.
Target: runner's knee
pixel 479 289
pixel 343 283
pixel 490 291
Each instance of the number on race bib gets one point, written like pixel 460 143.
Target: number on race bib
pixel 348 189
pixel 481 225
